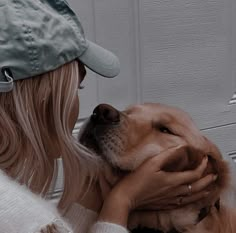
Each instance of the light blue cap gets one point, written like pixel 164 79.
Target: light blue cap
pixel 37 36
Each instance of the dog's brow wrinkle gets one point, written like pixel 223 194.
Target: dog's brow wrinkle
pixel 158 124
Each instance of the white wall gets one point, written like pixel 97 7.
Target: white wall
pixel 180 52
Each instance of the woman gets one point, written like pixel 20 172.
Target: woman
pixel 42 56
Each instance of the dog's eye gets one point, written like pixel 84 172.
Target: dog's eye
pixel 161 128
pixel 164 129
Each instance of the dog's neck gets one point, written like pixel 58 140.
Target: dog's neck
pixel 204 212
pixel 202 215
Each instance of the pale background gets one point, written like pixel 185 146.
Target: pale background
pixel 180 52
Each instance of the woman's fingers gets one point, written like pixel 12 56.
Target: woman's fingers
pixel 190 176
pixel 184 200
pixel 174 202
pixel 203 183
pixel 196 186
pixel 182 196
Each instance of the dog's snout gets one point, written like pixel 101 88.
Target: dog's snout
pixel 105 114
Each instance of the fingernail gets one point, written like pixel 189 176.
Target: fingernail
pixel 177 147
pixel 215 177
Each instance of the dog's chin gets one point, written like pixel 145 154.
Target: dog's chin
pixel 88 137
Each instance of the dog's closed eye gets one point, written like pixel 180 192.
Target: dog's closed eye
pixel 162 128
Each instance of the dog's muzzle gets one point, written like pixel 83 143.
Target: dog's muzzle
pixel 103 118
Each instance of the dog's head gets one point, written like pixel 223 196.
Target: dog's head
pixel 126 138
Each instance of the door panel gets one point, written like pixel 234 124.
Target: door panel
pixel 179 52
pixel 187 57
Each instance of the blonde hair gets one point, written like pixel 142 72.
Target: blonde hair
pixel 34 117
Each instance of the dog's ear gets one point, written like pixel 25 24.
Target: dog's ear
pixel 188 160
pixel 193 157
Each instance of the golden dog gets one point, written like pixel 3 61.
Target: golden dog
pixel 124 139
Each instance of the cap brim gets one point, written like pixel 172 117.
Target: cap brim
pixel 100 60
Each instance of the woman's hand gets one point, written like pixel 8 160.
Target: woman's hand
pixel 151 188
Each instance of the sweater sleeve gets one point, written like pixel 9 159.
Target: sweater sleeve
pixel 80 218
pixel 105 227
pixel 84 220
pixel 22 211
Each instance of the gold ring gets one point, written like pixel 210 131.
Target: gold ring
pixel 190 189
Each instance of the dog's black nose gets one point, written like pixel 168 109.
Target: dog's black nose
pixel 105 114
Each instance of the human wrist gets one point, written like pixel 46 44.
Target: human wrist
pixel 116 208
pixel 90 203
pixel 91 199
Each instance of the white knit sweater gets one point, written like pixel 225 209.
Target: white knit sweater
pixel 24 212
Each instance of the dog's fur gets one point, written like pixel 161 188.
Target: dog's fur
pixel 130 136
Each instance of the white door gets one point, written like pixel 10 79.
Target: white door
pixel 180 52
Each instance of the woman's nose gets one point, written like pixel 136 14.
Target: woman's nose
pixel 105 114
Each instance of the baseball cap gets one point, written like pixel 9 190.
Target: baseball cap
pixel 37 36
